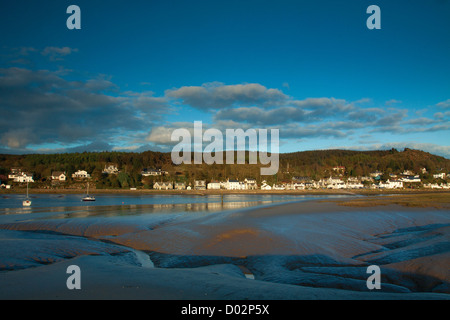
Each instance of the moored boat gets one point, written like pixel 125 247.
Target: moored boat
pixel 27 201
pixel 88 197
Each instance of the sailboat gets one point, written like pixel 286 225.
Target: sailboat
pixel 27 201
pixel 88 197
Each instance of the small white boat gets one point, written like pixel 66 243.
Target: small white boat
pixel 88 197
pixel 27 201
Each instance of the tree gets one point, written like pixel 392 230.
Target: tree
pixel 124 180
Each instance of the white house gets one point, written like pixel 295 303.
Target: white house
pixel 250 184
pixel 242 185
pixel 298 186
pixel 18 176
pixel 265 186
pixel 81 174
pixel 199 185
pixel 410 179
pixel 432 186
pixel 15 172
pixel 110 169
pixel 214 185
pixel 232 184
pixel 163 185
pixel 334 183
pixel 59 175
pixel 23 177
pixel 279 187
pixel 334 180
pixel 354 185
pixel 153 172
pixel 179 186
pixel 339 169
pixel 336 186
pixel 289 186
pixel 311 185
pixel 394 184
pixel 439 175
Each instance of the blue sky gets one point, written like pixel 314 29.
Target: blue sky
pixel 137 70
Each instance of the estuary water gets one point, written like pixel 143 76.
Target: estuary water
pixel 116 205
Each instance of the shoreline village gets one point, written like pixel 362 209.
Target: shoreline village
pixel 344 171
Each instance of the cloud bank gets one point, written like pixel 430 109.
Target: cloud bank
pixel 48 110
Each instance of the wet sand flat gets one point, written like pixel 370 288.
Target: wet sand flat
pixel 300 250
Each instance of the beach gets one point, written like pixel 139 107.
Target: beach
pixel 298 250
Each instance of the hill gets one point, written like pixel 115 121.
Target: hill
pixel 313 164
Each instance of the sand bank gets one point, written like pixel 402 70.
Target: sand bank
pixel 301 250
pixel 108 277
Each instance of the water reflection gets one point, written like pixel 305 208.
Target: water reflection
pixel 133 209
pixel 70 206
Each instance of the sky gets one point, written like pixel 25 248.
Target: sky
pixel 138 70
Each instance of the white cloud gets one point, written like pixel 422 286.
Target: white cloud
pixel 161 135
pixel 57 53
pixel 218 96
pixel 16 138
pixel 296 131
pixel 57 111
pixel 261 116
pixel 392 101
pixel 421 121
pixel 444 104
pixel 126 148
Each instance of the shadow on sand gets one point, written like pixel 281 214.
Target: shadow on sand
pixel 309 270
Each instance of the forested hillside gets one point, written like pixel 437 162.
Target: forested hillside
pixel 312 164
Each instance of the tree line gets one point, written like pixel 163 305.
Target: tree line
pixel 312 164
